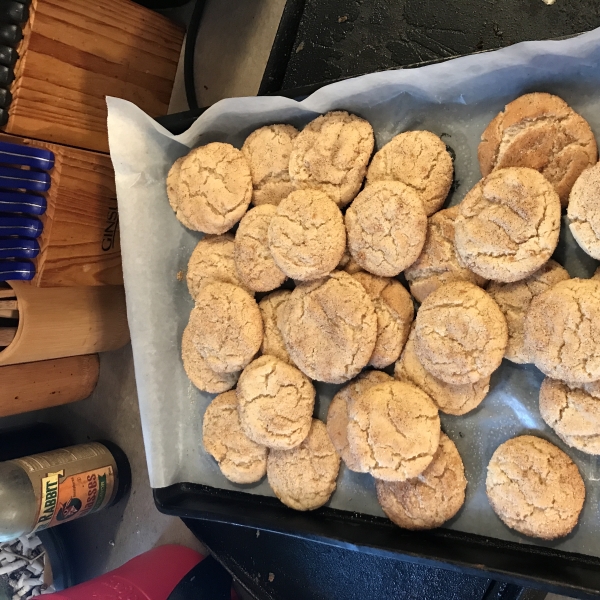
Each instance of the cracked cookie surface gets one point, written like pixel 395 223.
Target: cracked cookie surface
pixel 276 403
pixel 214 188
pixel 240 459
pixel 420 160
pixel 543 132
pixel 331 155
pixel 535 488
pixel 584 211
pixel 330 328
pixel 173 193
pixel 307 237
pixel 430 499
pixel 508 225
pixel 460 333
pixel 562 331
pixel 393 430
pixel 267 151
pixel 386 227
pixel 271 307
pixel 305 477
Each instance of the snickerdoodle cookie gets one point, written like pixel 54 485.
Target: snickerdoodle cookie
pixel 240 459
pixel 305 477
pixel 562 331
pixel 395 312
pixel 214 188
pixel 420 160
pixel 271 307
pixel 226 326
pixel 438 262
pixel 542 132
pixel 535 488
pixel 508 225
pixel 331 155
pixel 460 333
pixel 393 430
pixel 306 236
pixel 584 211
pixel 276 403
pixel 337 414
pixel 330 328
pixel 386 227
pixel 430 499
pixel 267 151
pixel 173 191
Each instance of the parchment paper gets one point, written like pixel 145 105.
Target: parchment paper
pixel 456 100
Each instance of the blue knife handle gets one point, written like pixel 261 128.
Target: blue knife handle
pixel 21 226
pixel 18 202
pixel 13 270
pixel 15 154
pixel 19 248
pixel 24 179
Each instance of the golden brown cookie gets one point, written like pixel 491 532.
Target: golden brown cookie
pixel 226 326
pixel 173 191
pixel 276 403
pixel 330 328
pixel 337 415
pixel 271 307
pixel 307 237
pixel 267 151
pixel 305 477
pixel 438 262
pixel 562 331
pixel 240 459
pixel 584 211
pixel 430 499
pixel 508 225
pixel 393 430
pixel 460 333
pixel 542 132
pixel 253 260
pixel 386 227
pixel 395 312
pixel 214 188
pixel 331 155
pixel 450 399
pixel 514 300
pixel 420 160
pixel 348 264
pixel 535 488
pixel 573 412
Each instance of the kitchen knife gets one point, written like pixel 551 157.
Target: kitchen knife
pixel 16 154
pixel 7 76
pixel 5 98
pixel 27 227
pixel 24 179
pixel 13 12
pixel 8 56
pixel 18 248
pixel 13 270
pixel 10 35
pixel 17 202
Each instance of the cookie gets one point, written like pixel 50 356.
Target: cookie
pixel 267 151
pixel 271 307
pixel 329 328
pixel 253 260
pixel 226 326
pixel 450 399
pixel 535 488
pixel 197 369
pixel 307 237
pixel 430 499
pixel 562 331
pixel 212 260
pixel 305 477
pixel 214 188
pixel 348 264
pixel 438 262
pixel 173 191
pixel 420 160
pixel 584 211
pixel 508 225
pixel 393 430
pixel 276 403
pixel 337 415
pixel 386 227
pixel 331 155
pixel 514 300
pixel 460 333
pixel 395 312
pixel 542 132
pixel 240 459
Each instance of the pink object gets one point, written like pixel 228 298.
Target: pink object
pixel 150 576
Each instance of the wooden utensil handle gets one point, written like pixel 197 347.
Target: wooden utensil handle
pixel 8 305
pixel 8 314
pixel 7 335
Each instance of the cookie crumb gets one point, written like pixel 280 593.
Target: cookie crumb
pixel 271 577
pixel 180 275
pixel 343 19
pixel 300 47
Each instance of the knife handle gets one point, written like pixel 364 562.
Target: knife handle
pixel 8 56
pixel 16 270
pixel 13 12
pixel 18 248
pixel 17 154
pixel 10 34
pixel 26 227
pixel 24 179
pixel 17 202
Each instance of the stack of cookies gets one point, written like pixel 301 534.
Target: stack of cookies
pixel 303 287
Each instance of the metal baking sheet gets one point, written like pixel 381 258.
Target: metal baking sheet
pixel 456 100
